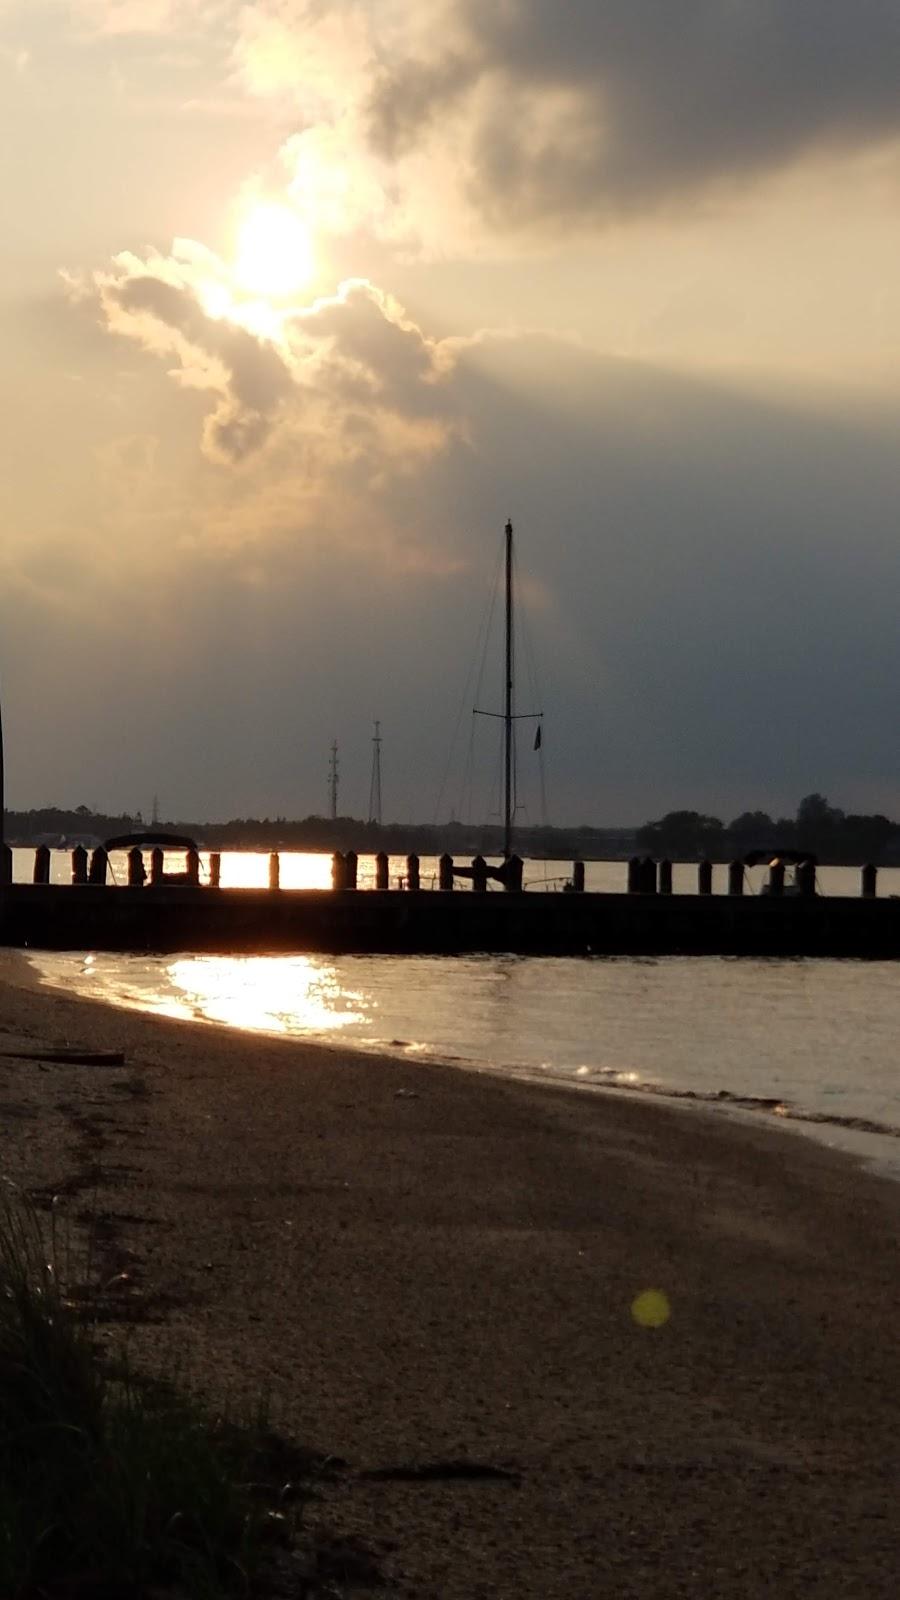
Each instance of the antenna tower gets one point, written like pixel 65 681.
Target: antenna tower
pixel 375 784
pixel 333 781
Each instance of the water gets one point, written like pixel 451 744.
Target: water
pixel 810 1043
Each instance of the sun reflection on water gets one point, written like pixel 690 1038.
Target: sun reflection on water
pixel 283 994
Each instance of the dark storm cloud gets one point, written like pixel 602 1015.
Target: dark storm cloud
pixel 593 108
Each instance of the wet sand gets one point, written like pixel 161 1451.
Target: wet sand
pixel 419 1265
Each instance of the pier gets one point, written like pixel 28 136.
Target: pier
pixel 166 911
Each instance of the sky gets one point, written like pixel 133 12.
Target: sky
pixel 301 299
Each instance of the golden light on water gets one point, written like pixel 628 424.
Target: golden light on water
pixel 274 254
pixel 651 1308
pixel 283 994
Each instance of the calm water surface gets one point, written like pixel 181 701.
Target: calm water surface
pixel 811 1043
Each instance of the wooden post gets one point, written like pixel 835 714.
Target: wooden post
pixel 665 877
pixel 215 870
pixel 79 864
pixel 192 863
pixel 735 877
pixel 704 877
pixel 381 870
pixel 515 866
pixel 634 875
pixel 776 878
pixel 578 877
pixel 445 873
pixel 352 867
pixel 338 871
pixel 479 874
pixel 6 862
pixel 869 882
pixel 136 872
pixel 648 875
pixel 156 867
pixel 412 873
pixel 274 870
pixel 806 877
pixel 42 864
pixel 98 866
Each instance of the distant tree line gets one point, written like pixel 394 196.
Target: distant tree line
pixel 55 825
pixel 832 835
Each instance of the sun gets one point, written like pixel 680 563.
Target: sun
pixel 274 256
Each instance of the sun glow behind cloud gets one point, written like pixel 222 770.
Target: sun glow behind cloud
pixel 274 257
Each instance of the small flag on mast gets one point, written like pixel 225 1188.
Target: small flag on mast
pixel 537 737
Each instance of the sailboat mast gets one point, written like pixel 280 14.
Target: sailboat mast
pixel 508 705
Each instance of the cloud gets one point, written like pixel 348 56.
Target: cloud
pixel 350 376
pixel 602 109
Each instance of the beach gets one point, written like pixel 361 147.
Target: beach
pixel 416 1265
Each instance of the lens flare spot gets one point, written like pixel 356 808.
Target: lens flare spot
pixel 651 1308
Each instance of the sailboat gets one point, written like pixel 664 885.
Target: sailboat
pixel 509 717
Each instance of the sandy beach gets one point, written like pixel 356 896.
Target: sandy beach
pixel 420 1265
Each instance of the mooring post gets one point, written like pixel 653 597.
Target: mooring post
pixel 98 866
pixel 41 864
pixel 136 872
pixel 806 877
pixel 479 874
pixel 634 875
pixel 338 871
pixel 79 864
pixel 351 868
pixel 776 878
pixel 869 883
pixel 274 870
pixel 704 877
pixel 648 876
pixel 578 877
pixel 735 877
pixel 445 872
pixel 215 870
pixel 665 877
pixel 156 867
pixel 6 863
pixel 515 867
pixel 381 870
pixel 192 863
pixel 412 872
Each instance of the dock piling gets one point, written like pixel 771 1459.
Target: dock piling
pixel 735 877
pixel 338 871
pixel 515 867
pixel 869 883
pixel 634 875
pixel 351 868
pixel 274 870
pixel 381 870
pixel 136 871
pixel 79 864
pixel 704 877
pixel 445 873
pixel 578 877
pixel 806 877
pixel 98 866
pixel 156 867
pixel 192 864
pixel 665 877
pixel 479 874
pixel 5 863
pixel 215 870
pixel 41 864
pixel 776 878
pixel 413 880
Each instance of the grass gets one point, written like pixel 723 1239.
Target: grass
pixel 109 1486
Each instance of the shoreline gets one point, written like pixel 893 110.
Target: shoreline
pixel 420 1263
pixel 876 1144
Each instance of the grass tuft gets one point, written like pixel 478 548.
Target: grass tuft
pixel 107 1483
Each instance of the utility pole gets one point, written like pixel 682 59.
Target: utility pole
pixel 333 781
pixel 375 784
